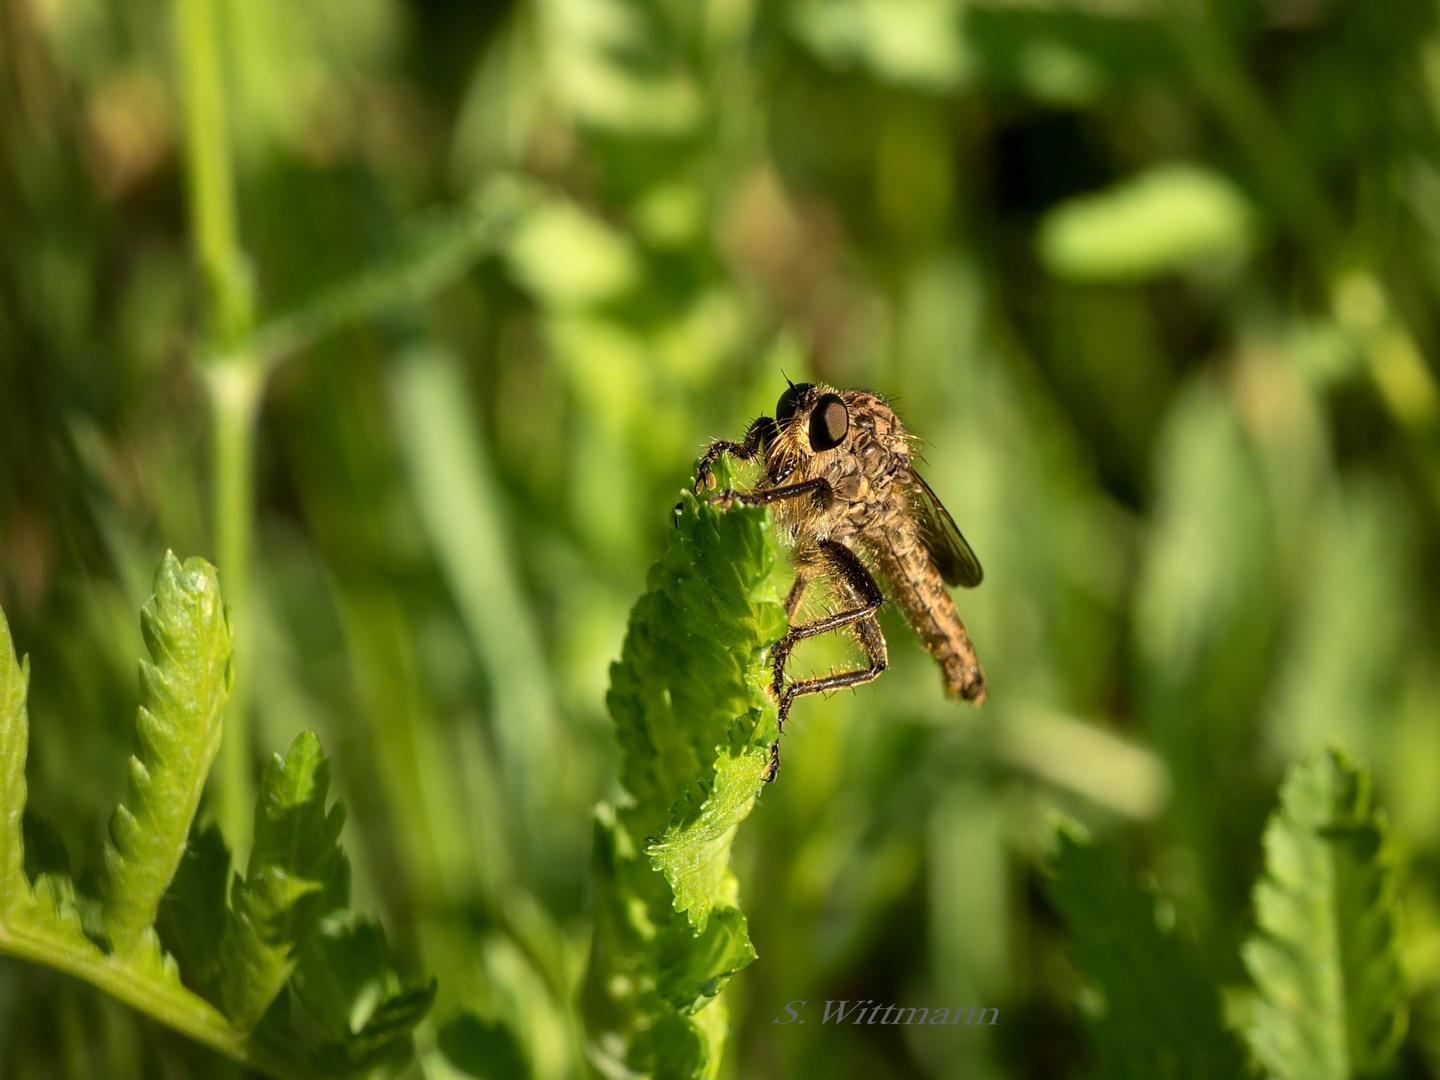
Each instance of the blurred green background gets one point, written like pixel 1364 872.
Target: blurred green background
pixel 1155 281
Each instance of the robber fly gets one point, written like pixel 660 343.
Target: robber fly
pixel 839 478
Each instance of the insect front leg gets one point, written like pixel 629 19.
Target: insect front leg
pixel 852 579
pixel 756 435
pixel 819 488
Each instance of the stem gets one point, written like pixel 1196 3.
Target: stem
pixel 235 385
pixel 235 389
pixel 210 171
pixel 171 1004
pixel 437 255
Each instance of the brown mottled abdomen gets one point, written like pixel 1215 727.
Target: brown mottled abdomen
pixel 917 589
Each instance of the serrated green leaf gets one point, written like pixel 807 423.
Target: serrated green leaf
pixel 191 920
pixel 483 1049
pixel 386 1039
pixel 693 659
pixel 693 968
pixel 186 626
pixel 54 914
pixel 14 744
pixel 694 725
pixel 1162 1018
pixel 241 957
pixel 344 981
pixel 694 852
pixel 296 875
pixel 1325 952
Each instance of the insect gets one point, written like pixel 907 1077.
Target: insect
pixel 839 477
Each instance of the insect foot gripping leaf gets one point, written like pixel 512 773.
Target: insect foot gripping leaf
pixel 694 726
pixel 1325 952
pixel 183 693
pixel 1162 1013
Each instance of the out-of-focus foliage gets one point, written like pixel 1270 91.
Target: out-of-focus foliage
pixel 1155 1012
pixel 1155 282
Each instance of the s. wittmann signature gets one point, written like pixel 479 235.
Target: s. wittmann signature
pixel 869 1012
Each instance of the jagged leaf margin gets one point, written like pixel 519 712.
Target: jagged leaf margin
pixel 1325 953
pixel 183 693
pixel 345 982
pixel 297 874
pixel 694 725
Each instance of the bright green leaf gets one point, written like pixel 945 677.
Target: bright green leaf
pixel 182 698
pixel 1325 952
pixel 243 957
pixel 297 874
pixel 694 725
pixel 694 852
pixel 693 968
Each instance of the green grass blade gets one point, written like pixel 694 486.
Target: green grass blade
pixel 462 510
pixel 182 698
pixel 1325 952
pixel 14 743
pixel 1161 1017
pixel 297 874
pixel 694 726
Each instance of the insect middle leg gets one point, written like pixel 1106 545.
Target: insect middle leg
pixel 849 576
pixel 796 594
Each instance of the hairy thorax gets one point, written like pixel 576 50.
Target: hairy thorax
pixel 866 477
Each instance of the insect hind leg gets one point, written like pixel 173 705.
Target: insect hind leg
pixel 850 577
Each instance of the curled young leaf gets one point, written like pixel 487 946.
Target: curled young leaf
pixel 183 693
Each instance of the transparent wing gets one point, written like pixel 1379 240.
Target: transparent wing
pixel 941 536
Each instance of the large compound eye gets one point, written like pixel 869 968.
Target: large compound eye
pixel 829 421
pixel 785 407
